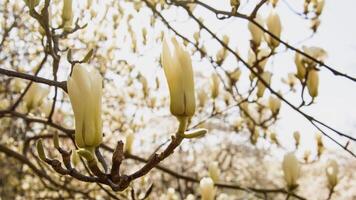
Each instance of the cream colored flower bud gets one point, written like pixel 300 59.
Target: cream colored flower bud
pixel 190 197
pixel 273 137
pixel 275 27
pixel 226 40
pixel 196 37
pixel 207 190
pixel 221 56
pixel 171 194
pixel 332 171
pixel 85 92
pixel 75 158
pixel 67 12
pixel 235 75
pixel 256 32
pixel 32 3
pixel 301 70
pixel 35 95
pixel 274 104
pixel 214 85
pixel 214 171
pixel 313 83
pixel 296 136
pixel 319 6
pixel 178 69
pixel 130 137
pixel 266 76
pixel 291 170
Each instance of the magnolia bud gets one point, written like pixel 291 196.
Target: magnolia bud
pixel 266 76
pixel 291 170
pixel 171 194
pixel 88 123
pixel 207 190
pixel 34 96
pixel 274 104
pixel 235 75
pixel 67 12
pixel 196 37
pixel 319 7
pixel 75 159
pixel 332 171
pixel 256 32
pixel 273 137
pixel 313 83
pixel 214 83
pixel 301 70
pixel 214 171
pixel 190 197
pixel 226 40
pixel 130 137
pixel 179 74
pixel 274 26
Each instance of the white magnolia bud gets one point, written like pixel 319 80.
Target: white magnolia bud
pixel 256 32
pixel 214 171
pixel 275 27
pixel 196 37
pixel 266 76
pixel 291 170
pixel 178 69
pixel 235 75
pixel 301 70
pixel 190 197
pixel 332 171
pixel 67 12
pixel 313 83
pixel 207 190
pixel 88 123
pixel 319 6
pixel 34 96
pixel 214 83
pixel 274 104
pixel 130 137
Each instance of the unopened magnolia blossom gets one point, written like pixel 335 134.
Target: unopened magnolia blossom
pixel 35 96
pixel 332 171
pixel 313 83
pixel 274 104
pixel 214 171
pixel 207 190
pixel 256 32
pixel 85 92
pixel 178 69
pixel 214 85
pixel 291 170
pixel 266 76
pixel 275 27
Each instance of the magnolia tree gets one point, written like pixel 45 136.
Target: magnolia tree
pixel 175 99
